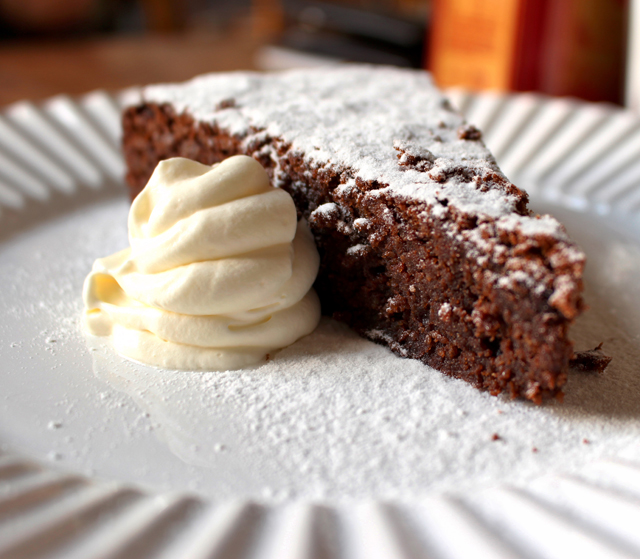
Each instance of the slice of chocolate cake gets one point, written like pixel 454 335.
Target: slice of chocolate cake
pixel 425 245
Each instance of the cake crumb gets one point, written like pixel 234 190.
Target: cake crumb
pixel 590 361
pixel 586 441
pixel 469 132
pixel 496 437
pixel 229 103
pixel 534 449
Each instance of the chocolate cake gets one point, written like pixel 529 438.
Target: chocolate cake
pixel 425 245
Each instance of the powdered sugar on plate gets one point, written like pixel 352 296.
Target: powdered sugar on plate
pixel 336 417
pixel 332 417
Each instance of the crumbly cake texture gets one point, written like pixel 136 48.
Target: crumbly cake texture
pixel 425 245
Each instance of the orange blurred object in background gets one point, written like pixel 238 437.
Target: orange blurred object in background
pixel 559 47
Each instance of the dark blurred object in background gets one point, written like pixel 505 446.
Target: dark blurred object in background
pixel 379 32
pixel 632 94
pixel 46 18
pixel 48 47
pixel 59 19
pixel 374 31
pixel 560 47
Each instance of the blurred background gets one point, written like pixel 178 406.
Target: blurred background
pixel 581 48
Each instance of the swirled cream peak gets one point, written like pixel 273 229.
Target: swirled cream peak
pixel 218 274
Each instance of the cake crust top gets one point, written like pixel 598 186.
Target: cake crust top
pixel 387 126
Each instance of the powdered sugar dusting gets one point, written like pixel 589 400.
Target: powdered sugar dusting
pixel 537 225
pixel 517 276
pixel 335 417
pixel 388 128
pixel 354 117
pixel 357 249
pixel 327 209
pixel 444 311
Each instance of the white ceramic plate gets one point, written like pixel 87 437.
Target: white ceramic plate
pixel 336 448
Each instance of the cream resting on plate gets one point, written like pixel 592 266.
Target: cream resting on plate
pixel 218 274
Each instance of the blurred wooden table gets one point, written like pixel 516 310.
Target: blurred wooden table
pixel 39 70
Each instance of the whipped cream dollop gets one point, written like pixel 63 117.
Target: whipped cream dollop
pixel 218 274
